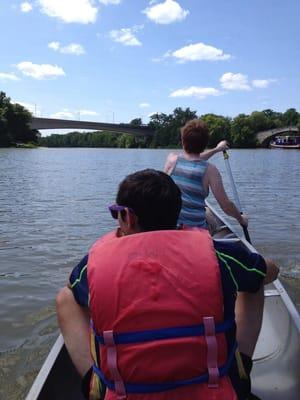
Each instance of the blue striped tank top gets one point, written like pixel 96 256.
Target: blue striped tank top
pixel 188 176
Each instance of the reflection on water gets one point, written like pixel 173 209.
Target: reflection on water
pixel 53 205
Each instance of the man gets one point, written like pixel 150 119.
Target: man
pixel 161 302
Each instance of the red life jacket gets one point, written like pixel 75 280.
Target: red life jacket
pixel 157 312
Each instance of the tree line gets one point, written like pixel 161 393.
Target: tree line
pixel 15 123
pixel 239 131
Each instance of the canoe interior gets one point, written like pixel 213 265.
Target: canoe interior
pixel 276 368
pixel 63 381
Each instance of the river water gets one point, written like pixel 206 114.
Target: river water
pixel 53 205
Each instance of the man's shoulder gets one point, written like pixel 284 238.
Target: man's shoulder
pixel 237 252
pixel 228 247
pixel 246 269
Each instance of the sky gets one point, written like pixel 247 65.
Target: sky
pixel 115 60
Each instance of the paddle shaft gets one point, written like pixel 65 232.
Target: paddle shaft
pixel 235 193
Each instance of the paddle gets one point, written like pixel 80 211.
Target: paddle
pixel 235 193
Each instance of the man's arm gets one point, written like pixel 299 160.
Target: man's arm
pixel 221 146
pixel 73 321
pixel 73 317
pixel 272 271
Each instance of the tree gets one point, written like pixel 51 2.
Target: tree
pixel 14 123
pixel 242 132
pixel 18 120
pixel 126 141
pixel 167 127
pixel 219 128
pixel 291 117
pixel 259 121
pixel 136 122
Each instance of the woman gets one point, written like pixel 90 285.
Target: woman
pixel 194 176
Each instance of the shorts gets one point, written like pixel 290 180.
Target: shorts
pixel 91 386
pixel 240 377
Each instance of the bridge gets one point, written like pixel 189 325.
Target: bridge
pixel 265 137
pixel 53 123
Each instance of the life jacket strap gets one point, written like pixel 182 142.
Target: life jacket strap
pixel 162 387
pixel 112 363
pixel 212 352
pixel 164 333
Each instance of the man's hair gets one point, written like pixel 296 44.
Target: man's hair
pixel 154 198
pixel 195 136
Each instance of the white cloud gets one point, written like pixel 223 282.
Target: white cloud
pixel 144 105
pixel 232 81
pixel 88 112
pixel 79 11
pixel 63 114
pixel 196 91
pixel 72 48
pixel 107 2
pixel 8 77
pixel 40 71
pixel 54 46
pixel 25 7
pixel 68 114
pixel 199 52
pixel 166 13
pixel 125 36
pixel 262 83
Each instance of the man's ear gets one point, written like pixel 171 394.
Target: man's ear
pixel 130 221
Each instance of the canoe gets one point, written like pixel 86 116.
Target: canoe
pixel 275 374
pixel 285 146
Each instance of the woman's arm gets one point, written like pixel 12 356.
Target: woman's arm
pixel 223 145
pixel 170 163
pixel 214 180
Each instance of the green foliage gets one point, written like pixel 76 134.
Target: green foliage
pixel 14 123
pixel 136 122
pixel 167 127
pixel 291 117
pixel 219 128
pixel 240 131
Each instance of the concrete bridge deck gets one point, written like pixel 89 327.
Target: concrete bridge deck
pixel 51 123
